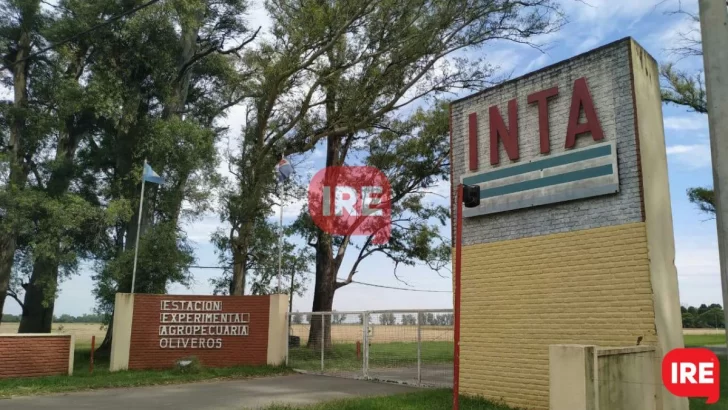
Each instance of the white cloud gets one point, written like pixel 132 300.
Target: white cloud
pixel 537 63
pixel 604 10
pixel 698 268
pixel 506 59
pixel 690 156
pixel 687 123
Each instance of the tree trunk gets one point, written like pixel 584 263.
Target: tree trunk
pixel 241 247
pixel 40 298
pixel 7 252
pixel 18 168
pixel 324 289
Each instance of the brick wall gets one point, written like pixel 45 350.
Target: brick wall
pixel 32 356
pixel 607 71
pixel 145 351
pixel 518 297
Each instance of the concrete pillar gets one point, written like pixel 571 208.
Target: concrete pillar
pixel 121 342
pixel 277 330
pixel 572 377
pixel 714 28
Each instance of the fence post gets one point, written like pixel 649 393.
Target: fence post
pixel 288 335
pixel 365 329
pixel 323 340
pixel 93 347
pixel 419 350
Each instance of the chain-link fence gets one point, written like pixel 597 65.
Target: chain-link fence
pixel 412 347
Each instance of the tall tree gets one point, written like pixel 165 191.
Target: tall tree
pixel 66 226
pixel 415 42
pixel 173 69
pixel 20 21
pixel 688 89
pixel 281 116
pixel 261 263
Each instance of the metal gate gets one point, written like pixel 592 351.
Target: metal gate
pixel 411 347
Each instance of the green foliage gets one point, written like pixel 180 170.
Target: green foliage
pixel 164 258
pixel 8 318
pixel 684 89
pixel 85 318
pixel 704 198
pixel 261 265
pixel 703 317
pixel 387 319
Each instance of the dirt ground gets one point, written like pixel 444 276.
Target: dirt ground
pixel 82 331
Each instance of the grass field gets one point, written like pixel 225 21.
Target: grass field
pixel 424 400
pixel 343 356
pixel 704 340
pixel 82 331
pixel 102 378
pixel 380 334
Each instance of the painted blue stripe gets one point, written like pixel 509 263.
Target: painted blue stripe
pixel 572 157
pixel 548 181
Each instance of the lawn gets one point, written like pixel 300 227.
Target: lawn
pixel 704 340
pixel 423 400
pixel 102 378
pixel 343 356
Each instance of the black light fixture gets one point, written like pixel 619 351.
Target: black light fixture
pixel 471 196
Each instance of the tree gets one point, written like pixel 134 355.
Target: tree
pixel 704 198
pixel 703 317
pixel 688 90
pixel 261 264
pixel 415 41
pixel 409 320
pixel 387 319
pixel 297 318
pixel 339 318
pixel 19 26
pixel 283 92
pixel 172 69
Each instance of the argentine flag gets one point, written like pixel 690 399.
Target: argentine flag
pixel 284 169
pixel 150 176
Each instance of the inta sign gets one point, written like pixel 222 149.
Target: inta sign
pixel 546 178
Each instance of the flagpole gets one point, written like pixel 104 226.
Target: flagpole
pixel 280 240
pixel 139 230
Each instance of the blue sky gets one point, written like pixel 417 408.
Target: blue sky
pixel 591 23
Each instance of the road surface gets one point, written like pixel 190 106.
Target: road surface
pixel 222 395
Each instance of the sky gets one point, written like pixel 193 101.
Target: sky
pixel 591 23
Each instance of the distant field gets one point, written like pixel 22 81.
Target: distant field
pixel 353 333
pixel 380 333
pixel 82 331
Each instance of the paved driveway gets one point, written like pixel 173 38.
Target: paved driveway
pixel 227 395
